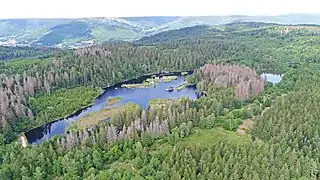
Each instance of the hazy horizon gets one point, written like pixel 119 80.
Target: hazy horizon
pixel 157 16
pixel 20 9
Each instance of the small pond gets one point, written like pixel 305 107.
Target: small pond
pixel 139 96
pixel 274 78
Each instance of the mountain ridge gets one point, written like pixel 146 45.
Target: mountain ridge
pixel 87 31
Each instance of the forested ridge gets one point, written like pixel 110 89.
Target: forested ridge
pixel 173 139
pixel 8 53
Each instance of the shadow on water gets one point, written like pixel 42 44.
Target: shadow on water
pixel 140 96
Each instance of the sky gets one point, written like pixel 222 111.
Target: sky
pixel 125 8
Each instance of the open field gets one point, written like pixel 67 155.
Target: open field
pixel 209 136
pixel 104 114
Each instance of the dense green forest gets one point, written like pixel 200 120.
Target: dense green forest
pixel 181 139
pixel 60 103
pixel 7 53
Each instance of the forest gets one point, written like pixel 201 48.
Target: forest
pixel 244 128
pixel 8 53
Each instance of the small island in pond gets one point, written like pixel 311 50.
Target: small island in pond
pixel 141 85
pixel 168 78
pixel 113 100
pixel 184 73
pixel 170 89
pixel 154 79
pixel 151 82
pixel 181 87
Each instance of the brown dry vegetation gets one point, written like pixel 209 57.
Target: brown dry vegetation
pixel 246 125
pixel 246 81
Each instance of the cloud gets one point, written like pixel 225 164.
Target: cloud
pixel 118 8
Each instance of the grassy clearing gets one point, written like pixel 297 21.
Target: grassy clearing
pixel 208 137
pixel 114 100
pixel 96 117
pixel 159 102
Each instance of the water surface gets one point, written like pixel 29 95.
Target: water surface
pixel 139 96
pixel 274 78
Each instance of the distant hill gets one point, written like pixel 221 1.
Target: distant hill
pixel 88 31
pixel 229 31
pixel 177 34
pixel 72 31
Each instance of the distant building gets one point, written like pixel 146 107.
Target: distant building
pixel 10 42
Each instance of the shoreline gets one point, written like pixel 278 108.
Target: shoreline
pixel 103 90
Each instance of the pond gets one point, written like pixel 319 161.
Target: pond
pixel 274 78
pixel 139 96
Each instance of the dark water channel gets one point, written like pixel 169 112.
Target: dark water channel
pixel 139 96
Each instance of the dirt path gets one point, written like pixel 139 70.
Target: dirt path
pixel 248 124
pixel 23 141
pixel 265 109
